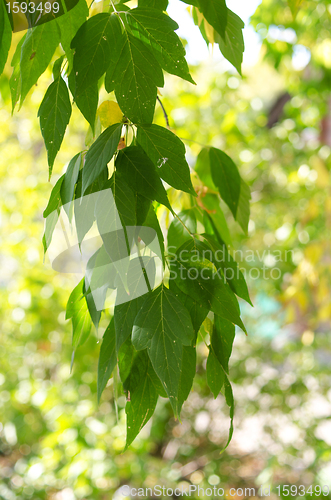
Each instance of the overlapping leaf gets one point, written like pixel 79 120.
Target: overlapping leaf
pixel 163 326
pixel 5 36
pixel 36 53
pixel 232 44
pixel 107 358
pixel 167 152
pixel 54 113
pixel 157 30
pixel 216 13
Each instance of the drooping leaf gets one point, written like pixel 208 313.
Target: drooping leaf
pixel 143 396
pixel 87 100
pixel 124 316
pixel 69 24
pixel 218 381
pixel 78 312
pixel 107 358
pixel 223 260
pixel 139 172
pixel 157 30
pixel 222 339
pixel 69 182
pixel 167 152
pixel 100 154
pixel 232 44
pixel 93 42
pixel 51 213
pixel 213 211
pixel 37 51
pixel 202 168
pixel 134 74
pixel 216 13
pixel 153 4
pixel 187 374
pixel 54 113
pixel 163 325
pixel 226 177
pixel 196 310
pixel 124 199
pixel 5 36
pixel 198 277
pixel 15 86
pixel 243 211
pixel 152 221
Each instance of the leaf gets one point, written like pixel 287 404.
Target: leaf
pixel 100 154
pixel 202 168
pixel 167 152
pixel 93 42
pixel 215 12
pixel 232 44
pixel 54 202
pixel 107 358
pixel 37 51
pixel 124 198
pixel 243 211
pixel 187 374
pixel 226 177
pixel 218 381
pixel 5 36
pixel 163 325
pixel 69 182
pixel 143 396
pixel 135 75
pixel 196 310
pixel 68 24
pixel 222 339
pixel 211 203
pixel 223 260
pixel 152 221
pixel 215 374
pixel 57 67
pixel 198 277
pixel 109 113
pixel 87 100
pixel 153 4
pixel 156 29
pixel 177 233
pixel 139 172
pixel 54 113
pixel 77 311
pixel 124 316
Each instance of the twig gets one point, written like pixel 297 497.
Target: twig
pixel 164 112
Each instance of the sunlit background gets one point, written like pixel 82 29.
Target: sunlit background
pixel 275 122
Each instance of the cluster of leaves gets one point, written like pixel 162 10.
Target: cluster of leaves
pixel 152 337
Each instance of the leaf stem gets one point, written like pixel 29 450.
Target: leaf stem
pixel 164 112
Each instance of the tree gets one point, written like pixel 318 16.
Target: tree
pixel 153 332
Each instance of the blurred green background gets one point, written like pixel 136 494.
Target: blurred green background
pixel 275 122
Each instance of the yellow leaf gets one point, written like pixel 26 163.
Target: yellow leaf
pixel 109 113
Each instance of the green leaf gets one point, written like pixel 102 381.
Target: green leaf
pixel 54 113
pixel 142 205
pixel 198 277
pixel 15 86
pixel 215 374
pixel 226 177
pixel 37 51
pixel 187 374
pixel 78 312
pixel 232 44
pixel 69 182
pixel 191 2
pixel 222 340
pixel 202 168
pixel 177 233
pixel 54 202
pixel 243 211
pixel 163 325
pixel 5 36
pixel 100 154
pixel 124 316
pixel 93 42
pixel 57 67
pixel 156 29
pixel 223 260
pixel 211 203
pixel 107 358
pixel 215 12
pixel 139 172
pixel 135 79
pixel 152 221
pixel 196 310
pixel 69 24
pixel 167 152
pixel 153 4
pixel 143 396
pixel 87 100
pixel 124 198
